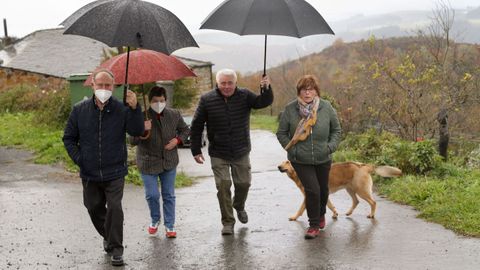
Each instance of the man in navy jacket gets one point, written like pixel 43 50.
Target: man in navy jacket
pixel 95 140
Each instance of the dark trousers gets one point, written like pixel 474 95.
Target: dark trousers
pixel 103 201
pixel 315 181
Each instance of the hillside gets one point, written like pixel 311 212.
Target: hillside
pixel 392 82
pixel 245 53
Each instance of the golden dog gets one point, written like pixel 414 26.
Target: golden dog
pixel 352 176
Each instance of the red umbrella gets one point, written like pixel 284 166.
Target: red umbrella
pixel 145 66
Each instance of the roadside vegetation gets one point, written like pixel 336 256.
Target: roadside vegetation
pixel 443 192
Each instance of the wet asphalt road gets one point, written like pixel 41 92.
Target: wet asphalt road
pixel 43 225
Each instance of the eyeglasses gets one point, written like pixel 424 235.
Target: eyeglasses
pixel 308 90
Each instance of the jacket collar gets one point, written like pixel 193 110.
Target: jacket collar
pixel 320 104
pixel 220 93
pixel 108 105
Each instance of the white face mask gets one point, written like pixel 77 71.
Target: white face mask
pixel 103 95
pixel 158 106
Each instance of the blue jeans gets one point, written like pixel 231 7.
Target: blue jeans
pixel 152 195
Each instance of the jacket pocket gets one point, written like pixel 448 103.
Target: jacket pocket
pixel 322 152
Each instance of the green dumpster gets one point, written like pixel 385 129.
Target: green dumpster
pixel 79 92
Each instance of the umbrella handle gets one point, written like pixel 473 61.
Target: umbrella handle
pixel 125 85
pixel 265 58
pixel 146 136
pixel 144 104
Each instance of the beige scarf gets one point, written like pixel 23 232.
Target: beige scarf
pixel 308 112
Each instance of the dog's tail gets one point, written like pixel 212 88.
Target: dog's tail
pixel 388 171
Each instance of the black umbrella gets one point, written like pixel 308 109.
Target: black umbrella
pixel 295 18
pixel 131 23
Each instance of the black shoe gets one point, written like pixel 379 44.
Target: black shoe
pixel 242 216
pixel 227 229
pixel 117 260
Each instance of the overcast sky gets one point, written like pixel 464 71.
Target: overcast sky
pixel 26 16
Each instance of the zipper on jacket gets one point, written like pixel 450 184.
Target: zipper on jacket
pixel 100 143
pixel 311 140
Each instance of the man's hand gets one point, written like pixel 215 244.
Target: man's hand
pixel 265 82
pixel 148 125
pixel 171 144
pixel 199 158
pixel 131 99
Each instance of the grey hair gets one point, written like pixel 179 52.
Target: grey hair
pixel 226 72
pixel 102 70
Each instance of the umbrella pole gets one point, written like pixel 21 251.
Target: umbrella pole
pixel 265 58
pixel 145 110
pixel 125 85
pixel 265 68
pixel 145 103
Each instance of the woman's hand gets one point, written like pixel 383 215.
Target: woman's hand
pixel 171 144
pixel 148 125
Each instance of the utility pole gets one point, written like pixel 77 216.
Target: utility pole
pixel 5 27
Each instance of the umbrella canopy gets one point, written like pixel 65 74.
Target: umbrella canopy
pixel 133 23
pixel 145 66
pixel 295 18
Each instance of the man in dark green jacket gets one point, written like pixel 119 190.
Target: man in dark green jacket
pixel 226 112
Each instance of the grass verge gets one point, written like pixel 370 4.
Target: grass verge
pixel 265 122
pixel 452 201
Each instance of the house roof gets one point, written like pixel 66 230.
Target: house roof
pixel 50 52
pixel 192 63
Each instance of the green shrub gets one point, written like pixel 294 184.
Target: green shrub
pixel 410 157
pixel 20 98
pixel 346 155
pixel 425 156
pixel 184 92
pixel 369 145
pixel 55 108
pixel 50 107
pixel 385 148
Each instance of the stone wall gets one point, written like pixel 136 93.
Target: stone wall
pixel 203 84
pixel 203 81
pixel 10 77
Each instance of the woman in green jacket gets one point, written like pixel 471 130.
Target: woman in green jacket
pixel 309 130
